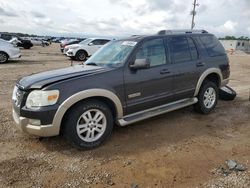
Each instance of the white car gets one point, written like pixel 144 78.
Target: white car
pixel 39 42
pixel 84 49
pixel 8 51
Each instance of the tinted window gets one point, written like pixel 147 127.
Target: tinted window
pixel 213 46
pixel 6 36
pixel 104 41
pixel 153 50
pixel 193 49
pixel 179 49
pixel 97 42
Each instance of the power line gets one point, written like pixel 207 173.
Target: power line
pixel 193 13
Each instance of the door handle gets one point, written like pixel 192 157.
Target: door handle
pixel 164 71
pixel 200 64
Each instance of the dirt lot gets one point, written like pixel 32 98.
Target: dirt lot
pixel 178 149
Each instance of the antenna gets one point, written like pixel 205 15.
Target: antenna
pixel 193 13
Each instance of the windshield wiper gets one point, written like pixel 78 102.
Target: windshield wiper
pixel 92 63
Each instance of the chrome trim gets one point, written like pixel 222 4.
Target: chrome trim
pixel 204 75
pixel 145 114
pixel 83 95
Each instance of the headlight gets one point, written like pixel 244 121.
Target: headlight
pixel 38 98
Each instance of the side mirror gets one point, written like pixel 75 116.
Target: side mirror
pixel 140 64
pixel 91 44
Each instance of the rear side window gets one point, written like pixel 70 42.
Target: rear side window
pixel 180 49
pixel 97 42
pixel 213 46
pixel 104 41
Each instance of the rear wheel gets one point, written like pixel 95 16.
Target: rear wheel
pixel 3 57
pixel 207 98
pixel 88 124
pixel 81 55
pixel 27 47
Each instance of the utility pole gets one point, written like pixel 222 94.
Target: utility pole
pixel 193 13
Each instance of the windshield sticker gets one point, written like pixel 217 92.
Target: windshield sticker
pixel 129 43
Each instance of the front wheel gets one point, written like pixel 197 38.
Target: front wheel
pixel 81 55
pixel 88 124
pixel 3 57
pixel 207 98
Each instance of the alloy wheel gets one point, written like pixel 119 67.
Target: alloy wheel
pixel 209 97
pixel 91 125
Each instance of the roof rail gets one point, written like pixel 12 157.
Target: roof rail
pixel 164 32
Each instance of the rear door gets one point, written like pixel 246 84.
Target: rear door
pixel 94 46
pixel 147 88
pixel 185 57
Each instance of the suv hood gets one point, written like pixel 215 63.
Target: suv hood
pixel 40 80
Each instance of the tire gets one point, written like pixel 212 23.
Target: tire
pixel 227 94
pixel 27 47
pixel 3 57
pixel 79 126
pixel 207 98
pixel 81 55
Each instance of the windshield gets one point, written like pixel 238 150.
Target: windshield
pixel 86 41
pixel 112 54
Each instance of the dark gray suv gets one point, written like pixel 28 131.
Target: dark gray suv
pixel 126 81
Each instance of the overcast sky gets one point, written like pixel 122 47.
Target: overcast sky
pixel 122 17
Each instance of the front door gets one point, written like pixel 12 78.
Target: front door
pixel 147 88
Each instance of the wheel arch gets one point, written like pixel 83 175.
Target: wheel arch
pixel 212 74
pixel 100 94
pixel 84 50
pixel 5 53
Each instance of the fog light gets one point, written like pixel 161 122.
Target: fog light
pixel 34 122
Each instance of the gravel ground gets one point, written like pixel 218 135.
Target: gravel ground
pixel 178 149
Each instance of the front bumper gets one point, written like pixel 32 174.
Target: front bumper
pixel 70 53
pixel 39 130
pixel 16 56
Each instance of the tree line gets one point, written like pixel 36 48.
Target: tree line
pixel 234 38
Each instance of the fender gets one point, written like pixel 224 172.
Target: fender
pixel 83 95
pixel 204 75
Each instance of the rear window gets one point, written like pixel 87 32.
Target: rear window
pixel 213 46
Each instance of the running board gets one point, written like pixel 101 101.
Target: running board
pixel 145 114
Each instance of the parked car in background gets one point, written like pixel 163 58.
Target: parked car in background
pixel 26 44
pixel 8 51
pixel 86 48
pixel 39 42
pixel 58 39
pixel 69 42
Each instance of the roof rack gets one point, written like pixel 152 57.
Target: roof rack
pixel 164 32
